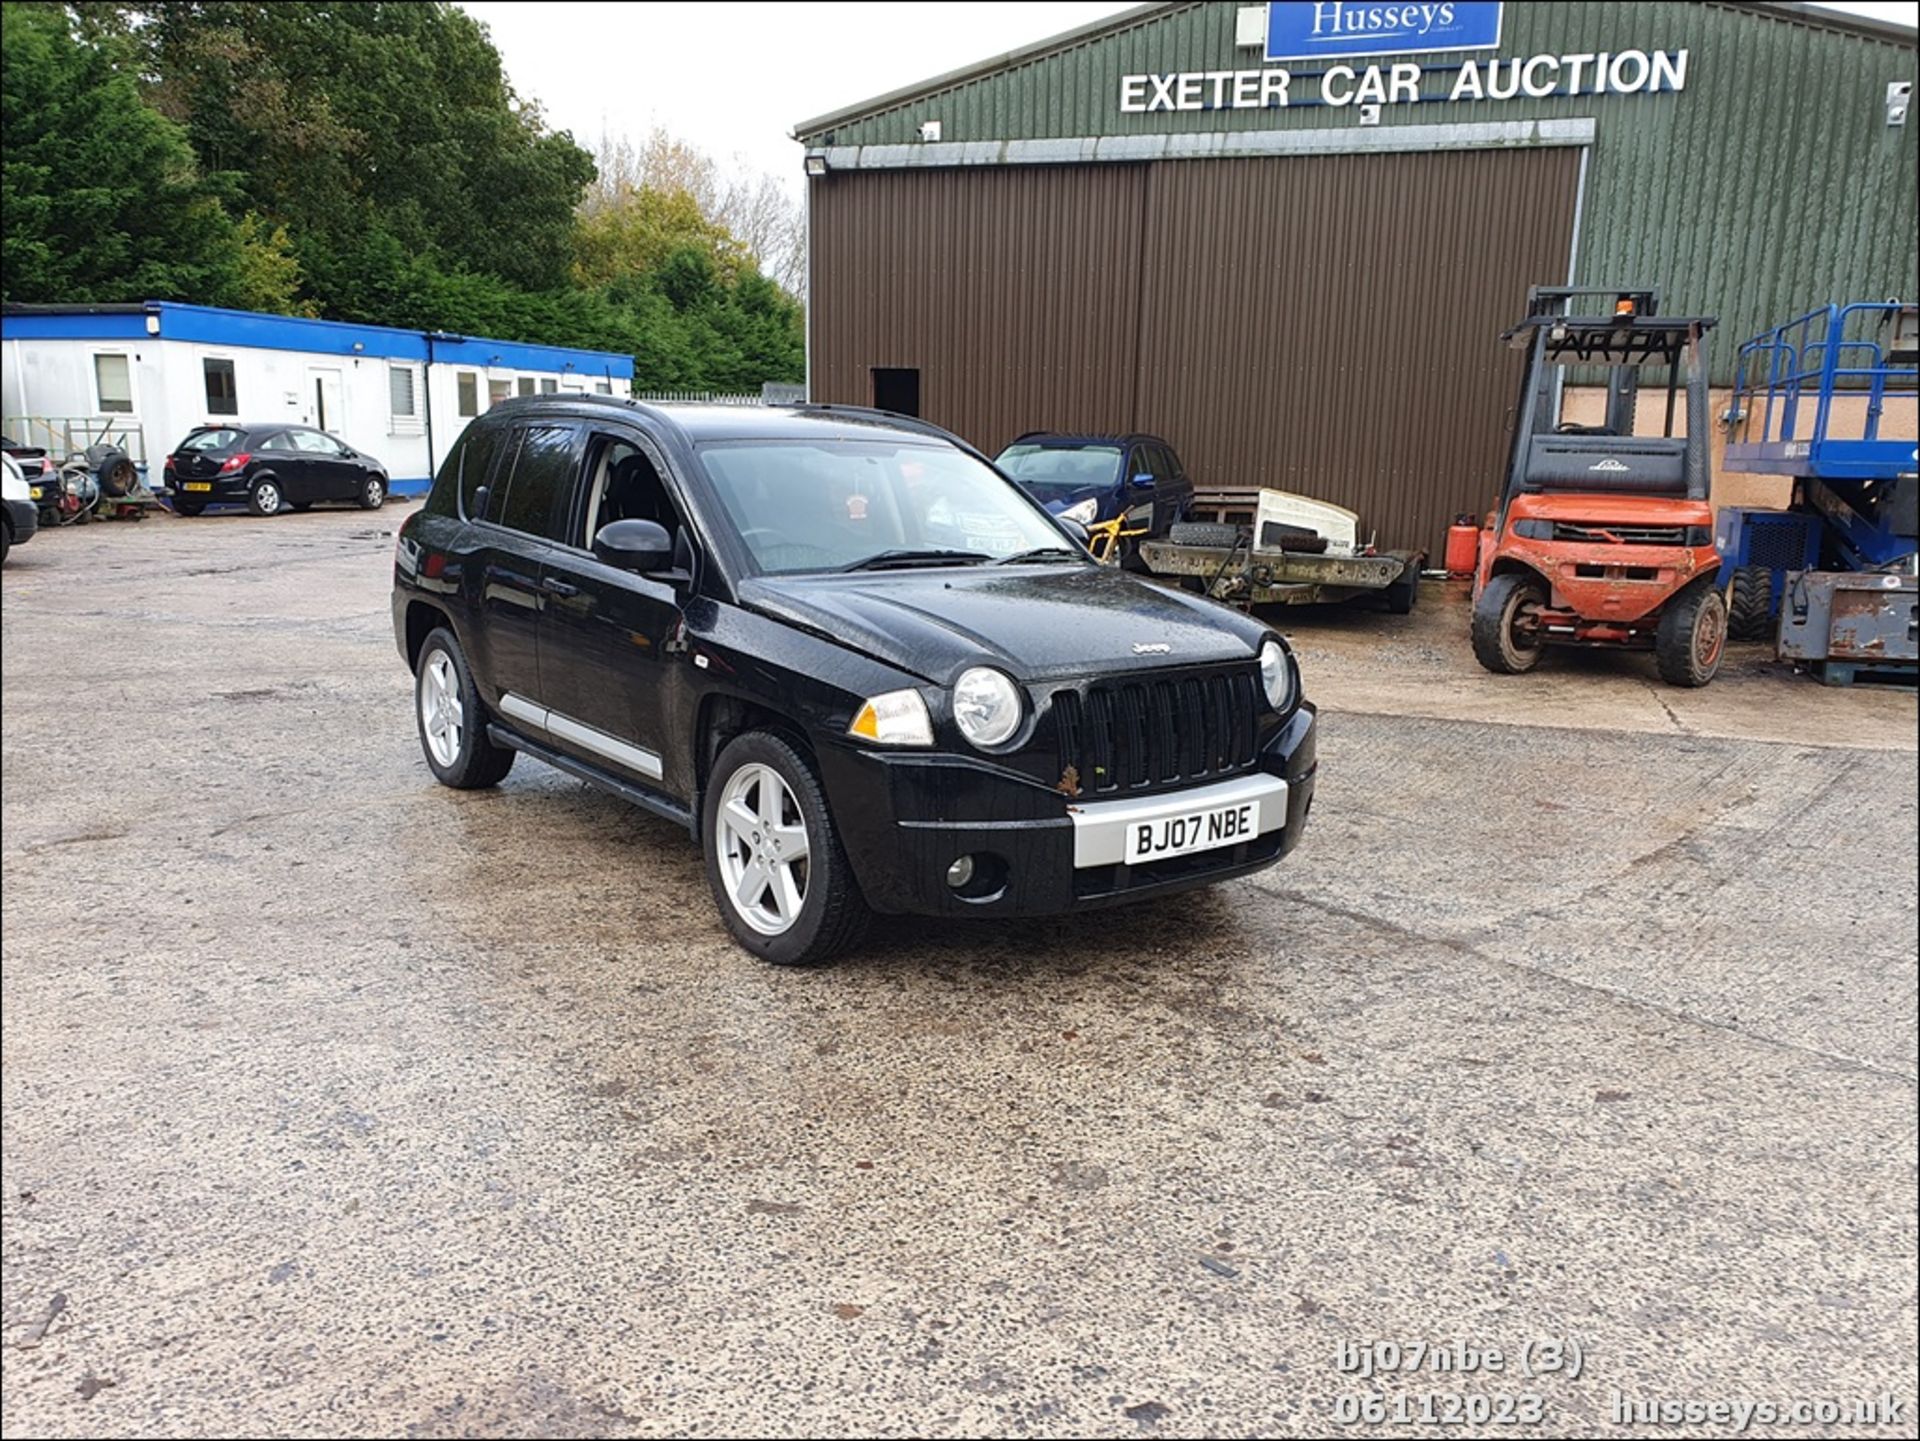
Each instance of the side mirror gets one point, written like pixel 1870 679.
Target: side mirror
pixel 642 546
pixel 1143 481
pixel 1078 531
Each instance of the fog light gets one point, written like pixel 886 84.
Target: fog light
pixel 960 872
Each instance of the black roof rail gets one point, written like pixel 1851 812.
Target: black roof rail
pixel 892 417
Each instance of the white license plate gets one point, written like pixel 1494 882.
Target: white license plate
pixel 1196 830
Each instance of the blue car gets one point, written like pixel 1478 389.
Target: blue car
pixel 1122 488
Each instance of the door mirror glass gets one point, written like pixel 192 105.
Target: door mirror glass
pixel 1143 481
pixel 642 546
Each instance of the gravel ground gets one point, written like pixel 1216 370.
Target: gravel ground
pixel 337 1102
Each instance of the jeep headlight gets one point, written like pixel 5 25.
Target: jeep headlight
pixel 1083 512
pixel 1277 675
pixel 898 718
pixel 986 706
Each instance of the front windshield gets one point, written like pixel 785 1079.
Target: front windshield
pixel 803 505
pixel 1061 469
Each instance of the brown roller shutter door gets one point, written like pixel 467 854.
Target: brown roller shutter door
pixel 1325 324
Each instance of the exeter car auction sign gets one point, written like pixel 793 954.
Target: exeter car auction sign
pixel 1332 31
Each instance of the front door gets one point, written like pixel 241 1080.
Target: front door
pixel 330 475
pixel 611 635
pixel 325 408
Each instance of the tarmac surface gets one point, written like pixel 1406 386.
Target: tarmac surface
pixel 338 1102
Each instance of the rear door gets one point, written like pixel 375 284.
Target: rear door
pixel 525 504
pixel 611 636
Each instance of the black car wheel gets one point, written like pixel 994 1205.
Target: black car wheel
pixel 373 493
pixel 774 860
pixel 266 498
pixel 452 720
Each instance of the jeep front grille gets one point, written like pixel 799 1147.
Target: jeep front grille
pixel 1158 730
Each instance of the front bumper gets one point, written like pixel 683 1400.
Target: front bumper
pixel 905 818
pixel 24 516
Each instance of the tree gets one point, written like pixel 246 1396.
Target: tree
pixel 102 196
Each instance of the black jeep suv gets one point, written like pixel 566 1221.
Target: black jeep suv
pixel 864 669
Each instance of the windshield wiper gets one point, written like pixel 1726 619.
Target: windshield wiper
pixel 1039 552
pixel 880 560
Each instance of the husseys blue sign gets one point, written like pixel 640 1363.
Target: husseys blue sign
pixel 1329 29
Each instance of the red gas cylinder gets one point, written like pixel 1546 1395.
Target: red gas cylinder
pixel 1463 545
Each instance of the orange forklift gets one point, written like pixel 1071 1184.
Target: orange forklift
pixel 1603 537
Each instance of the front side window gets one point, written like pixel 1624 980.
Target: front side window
pixel 536 488
pixel 223 398
pixel 822 505
pixel 113 379
pixel 400 389
pixel 468 386
pixel 314 443
pixel 626 485
pixel 1051 471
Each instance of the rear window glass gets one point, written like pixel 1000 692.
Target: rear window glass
pixel 222 439
pixel 540 482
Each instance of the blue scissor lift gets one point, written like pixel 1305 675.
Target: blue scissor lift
pixel 1829 399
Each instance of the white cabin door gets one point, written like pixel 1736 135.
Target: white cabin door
pixel 325 408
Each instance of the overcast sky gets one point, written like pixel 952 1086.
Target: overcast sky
pixel 735 78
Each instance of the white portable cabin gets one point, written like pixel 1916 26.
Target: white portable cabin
pixel 143 375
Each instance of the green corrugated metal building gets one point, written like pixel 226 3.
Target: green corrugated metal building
pixel 1744 158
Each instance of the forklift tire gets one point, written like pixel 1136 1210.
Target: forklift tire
pixel 1204 533
pixel 1750 603
pixel 1498 640
pixel 1692 636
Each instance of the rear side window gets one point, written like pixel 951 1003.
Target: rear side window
pixel 472 462
pixel 540 484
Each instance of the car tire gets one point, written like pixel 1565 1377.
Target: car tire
pixel 1203 533
pixel 373 493
pixel 1691 638
pixel 189 507
pixel 6 539
pixel 1750 603
pixel 266 498
pixel 760 777
pixel 1499 624
pixel 451 719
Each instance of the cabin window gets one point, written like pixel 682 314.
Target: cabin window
pixel 223 397
pixel 113 380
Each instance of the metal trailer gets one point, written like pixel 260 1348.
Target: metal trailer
pixel 1249 563
pixel 1835 577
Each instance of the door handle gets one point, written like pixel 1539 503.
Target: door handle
pixel 553 585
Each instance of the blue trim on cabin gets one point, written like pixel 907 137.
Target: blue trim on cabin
pixel 248 329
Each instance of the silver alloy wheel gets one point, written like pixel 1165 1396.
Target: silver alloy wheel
pixel 266 495
pixel 376 492
pixel 441 714
pixel 762 844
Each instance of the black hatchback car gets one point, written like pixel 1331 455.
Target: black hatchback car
pixel 865 670
pixel 270 468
